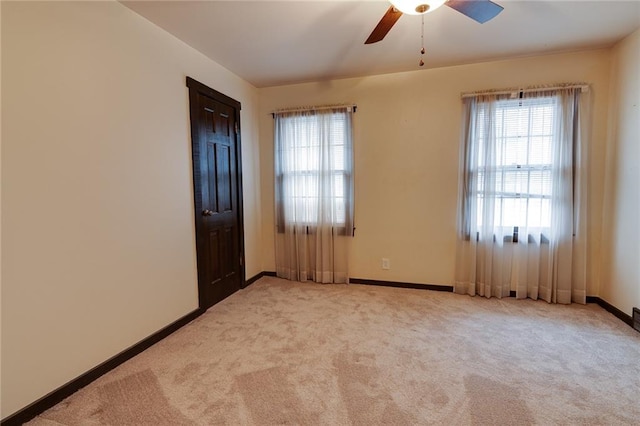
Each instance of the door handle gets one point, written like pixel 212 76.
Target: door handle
pixel 207 213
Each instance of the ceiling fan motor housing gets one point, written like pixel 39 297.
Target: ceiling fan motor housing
pixel 417 7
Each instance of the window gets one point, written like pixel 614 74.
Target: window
pixel 523 194
pixel 517 174
pixel 313 168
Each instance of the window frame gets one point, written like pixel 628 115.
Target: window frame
pixel 339 228
pixel 473 175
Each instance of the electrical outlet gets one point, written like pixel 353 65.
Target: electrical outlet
pixel 386 264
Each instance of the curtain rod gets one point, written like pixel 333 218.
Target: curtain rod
pixel 584 87
pixel 315 108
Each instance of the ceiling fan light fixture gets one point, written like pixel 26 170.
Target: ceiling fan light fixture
pixel 417 7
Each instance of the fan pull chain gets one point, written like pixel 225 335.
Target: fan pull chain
pixel 421 63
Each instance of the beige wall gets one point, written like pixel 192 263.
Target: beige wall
pixel 621 231
pixel 97 212
pixel 407 132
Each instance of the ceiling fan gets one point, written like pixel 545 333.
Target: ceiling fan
pixel 479 10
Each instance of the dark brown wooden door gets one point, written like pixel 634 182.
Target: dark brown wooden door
pixel 215 140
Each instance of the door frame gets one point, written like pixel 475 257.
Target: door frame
pixel 196 88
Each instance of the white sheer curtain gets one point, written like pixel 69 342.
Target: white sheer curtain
pixel 522 215
pixel 314 193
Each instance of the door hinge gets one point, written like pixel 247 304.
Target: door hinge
pixel 240 260
pixel 236 127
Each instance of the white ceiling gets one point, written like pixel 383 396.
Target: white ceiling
pixel 271 43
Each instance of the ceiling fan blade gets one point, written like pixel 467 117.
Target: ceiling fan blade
pixel 478 10
pixel 385 24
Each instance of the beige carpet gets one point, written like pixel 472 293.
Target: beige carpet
pixel 281 352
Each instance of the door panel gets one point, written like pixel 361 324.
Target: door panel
pixel 224 174
pixel 229 240
pixel 215 270
pixel 217 193
pixel 213 178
